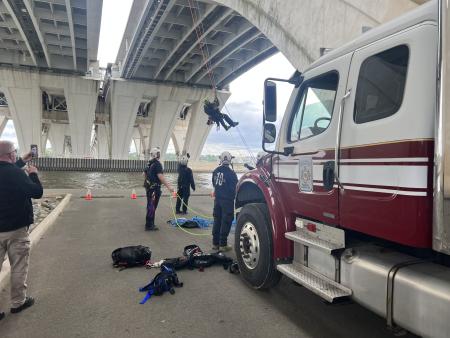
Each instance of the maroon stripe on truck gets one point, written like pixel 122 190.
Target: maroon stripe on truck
pixel 407 148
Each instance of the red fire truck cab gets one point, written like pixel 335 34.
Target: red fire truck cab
pixel 351 202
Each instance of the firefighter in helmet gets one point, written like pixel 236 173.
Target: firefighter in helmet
pixel 215 116
pixel 185 183
pixel 154 177
pixel 224 180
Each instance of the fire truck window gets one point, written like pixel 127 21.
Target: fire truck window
pixel 315 107
pixel 381 85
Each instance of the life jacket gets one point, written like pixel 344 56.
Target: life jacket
pixel 166 280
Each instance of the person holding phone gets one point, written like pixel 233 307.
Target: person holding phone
pixel 17 188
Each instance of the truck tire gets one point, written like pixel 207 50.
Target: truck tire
pixel 254 247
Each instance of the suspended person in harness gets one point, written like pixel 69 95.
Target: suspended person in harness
pixel 215 116
pixel 185 183
pixel 153 179
pixel 224 180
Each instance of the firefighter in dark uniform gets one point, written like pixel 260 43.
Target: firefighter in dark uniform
pixel 224 180
pixel 153 179
pixel 185 183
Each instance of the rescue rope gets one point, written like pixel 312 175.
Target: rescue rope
pixel 176 221
pixel 206 60
pixel 190 209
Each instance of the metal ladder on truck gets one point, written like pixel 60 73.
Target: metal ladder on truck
pixel 316 263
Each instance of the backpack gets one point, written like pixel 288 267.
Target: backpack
pixel 164 281
pixel 131 256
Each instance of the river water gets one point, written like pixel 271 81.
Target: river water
pixel 111 180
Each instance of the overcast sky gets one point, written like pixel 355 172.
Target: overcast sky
pixel 244 105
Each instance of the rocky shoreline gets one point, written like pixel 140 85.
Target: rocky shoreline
pixel 43 207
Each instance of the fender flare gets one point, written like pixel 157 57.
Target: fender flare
pixel 251 189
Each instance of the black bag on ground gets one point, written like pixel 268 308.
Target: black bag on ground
pixel 131 256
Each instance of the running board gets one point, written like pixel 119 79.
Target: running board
pixel 317 283
pixel 302 237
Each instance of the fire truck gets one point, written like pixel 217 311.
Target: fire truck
pixel 352 200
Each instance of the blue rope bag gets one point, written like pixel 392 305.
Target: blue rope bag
pixel 166 280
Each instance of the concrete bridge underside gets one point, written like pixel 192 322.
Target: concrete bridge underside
pixel 150 97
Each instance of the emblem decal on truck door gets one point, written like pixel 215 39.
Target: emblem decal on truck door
pixel 305 174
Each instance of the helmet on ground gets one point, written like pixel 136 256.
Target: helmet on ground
pixel 183 160
pixel 155 153
pixel 225 158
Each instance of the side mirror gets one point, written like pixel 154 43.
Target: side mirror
pixel 269 133
pixel 270 101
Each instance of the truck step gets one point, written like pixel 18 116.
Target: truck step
pixel 317 283
pixel 303 237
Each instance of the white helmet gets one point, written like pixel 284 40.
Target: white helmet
pixel 260 155
pixel 183 160
pixel 225 158
pixel 155 153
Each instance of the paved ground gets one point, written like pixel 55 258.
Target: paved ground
pixel 79 294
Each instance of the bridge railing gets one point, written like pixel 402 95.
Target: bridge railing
pixel 102 165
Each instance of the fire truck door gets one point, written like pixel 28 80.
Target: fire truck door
pixel 306 177
pixel 386 155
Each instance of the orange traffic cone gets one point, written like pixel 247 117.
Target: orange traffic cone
pixel 133 194
pixel 88 196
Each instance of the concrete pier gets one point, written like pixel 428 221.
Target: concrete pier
pixel 79 294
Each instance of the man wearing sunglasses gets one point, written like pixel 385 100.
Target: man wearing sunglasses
pixel 17 188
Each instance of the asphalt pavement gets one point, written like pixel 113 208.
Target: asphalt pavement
pixel 79 294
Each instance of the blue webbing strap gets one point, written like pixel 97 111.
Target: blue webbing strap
pixel 147 296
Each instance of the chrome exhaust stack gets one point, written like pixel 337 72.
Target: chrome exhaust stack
pixel 441 197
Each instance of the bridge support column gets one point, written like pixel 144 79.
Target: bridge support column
pixel 126 98
pixel 81 97
pixel 3 122
pixel 198 130
pixel 103 141
pixel 163 123
pixel 24 101
pixel 57 135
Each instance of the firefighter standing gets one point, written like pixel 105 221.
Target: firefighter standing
pixel 153 179
pixel 185 183
pixel 224 180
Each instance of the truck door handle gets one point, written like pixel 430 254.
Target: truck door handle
pixel 328 175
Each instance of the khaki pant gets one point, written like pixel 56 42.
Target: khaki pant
pixel 17 244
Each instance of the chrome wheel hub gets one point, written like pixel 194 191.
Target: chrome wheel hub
pixel 249 245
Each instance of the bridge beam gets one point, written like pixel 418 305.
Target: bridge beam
pixel 299 28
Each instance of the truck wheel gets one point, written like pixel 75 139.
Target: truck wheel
pixel 254 246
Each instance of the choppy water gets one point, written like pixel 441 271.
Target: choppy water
pixel 102 180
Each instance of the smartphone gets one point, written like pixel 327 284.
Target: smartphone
pixel 34 151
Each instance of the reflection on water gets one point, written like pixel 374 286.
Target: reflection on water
pixel 101 180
